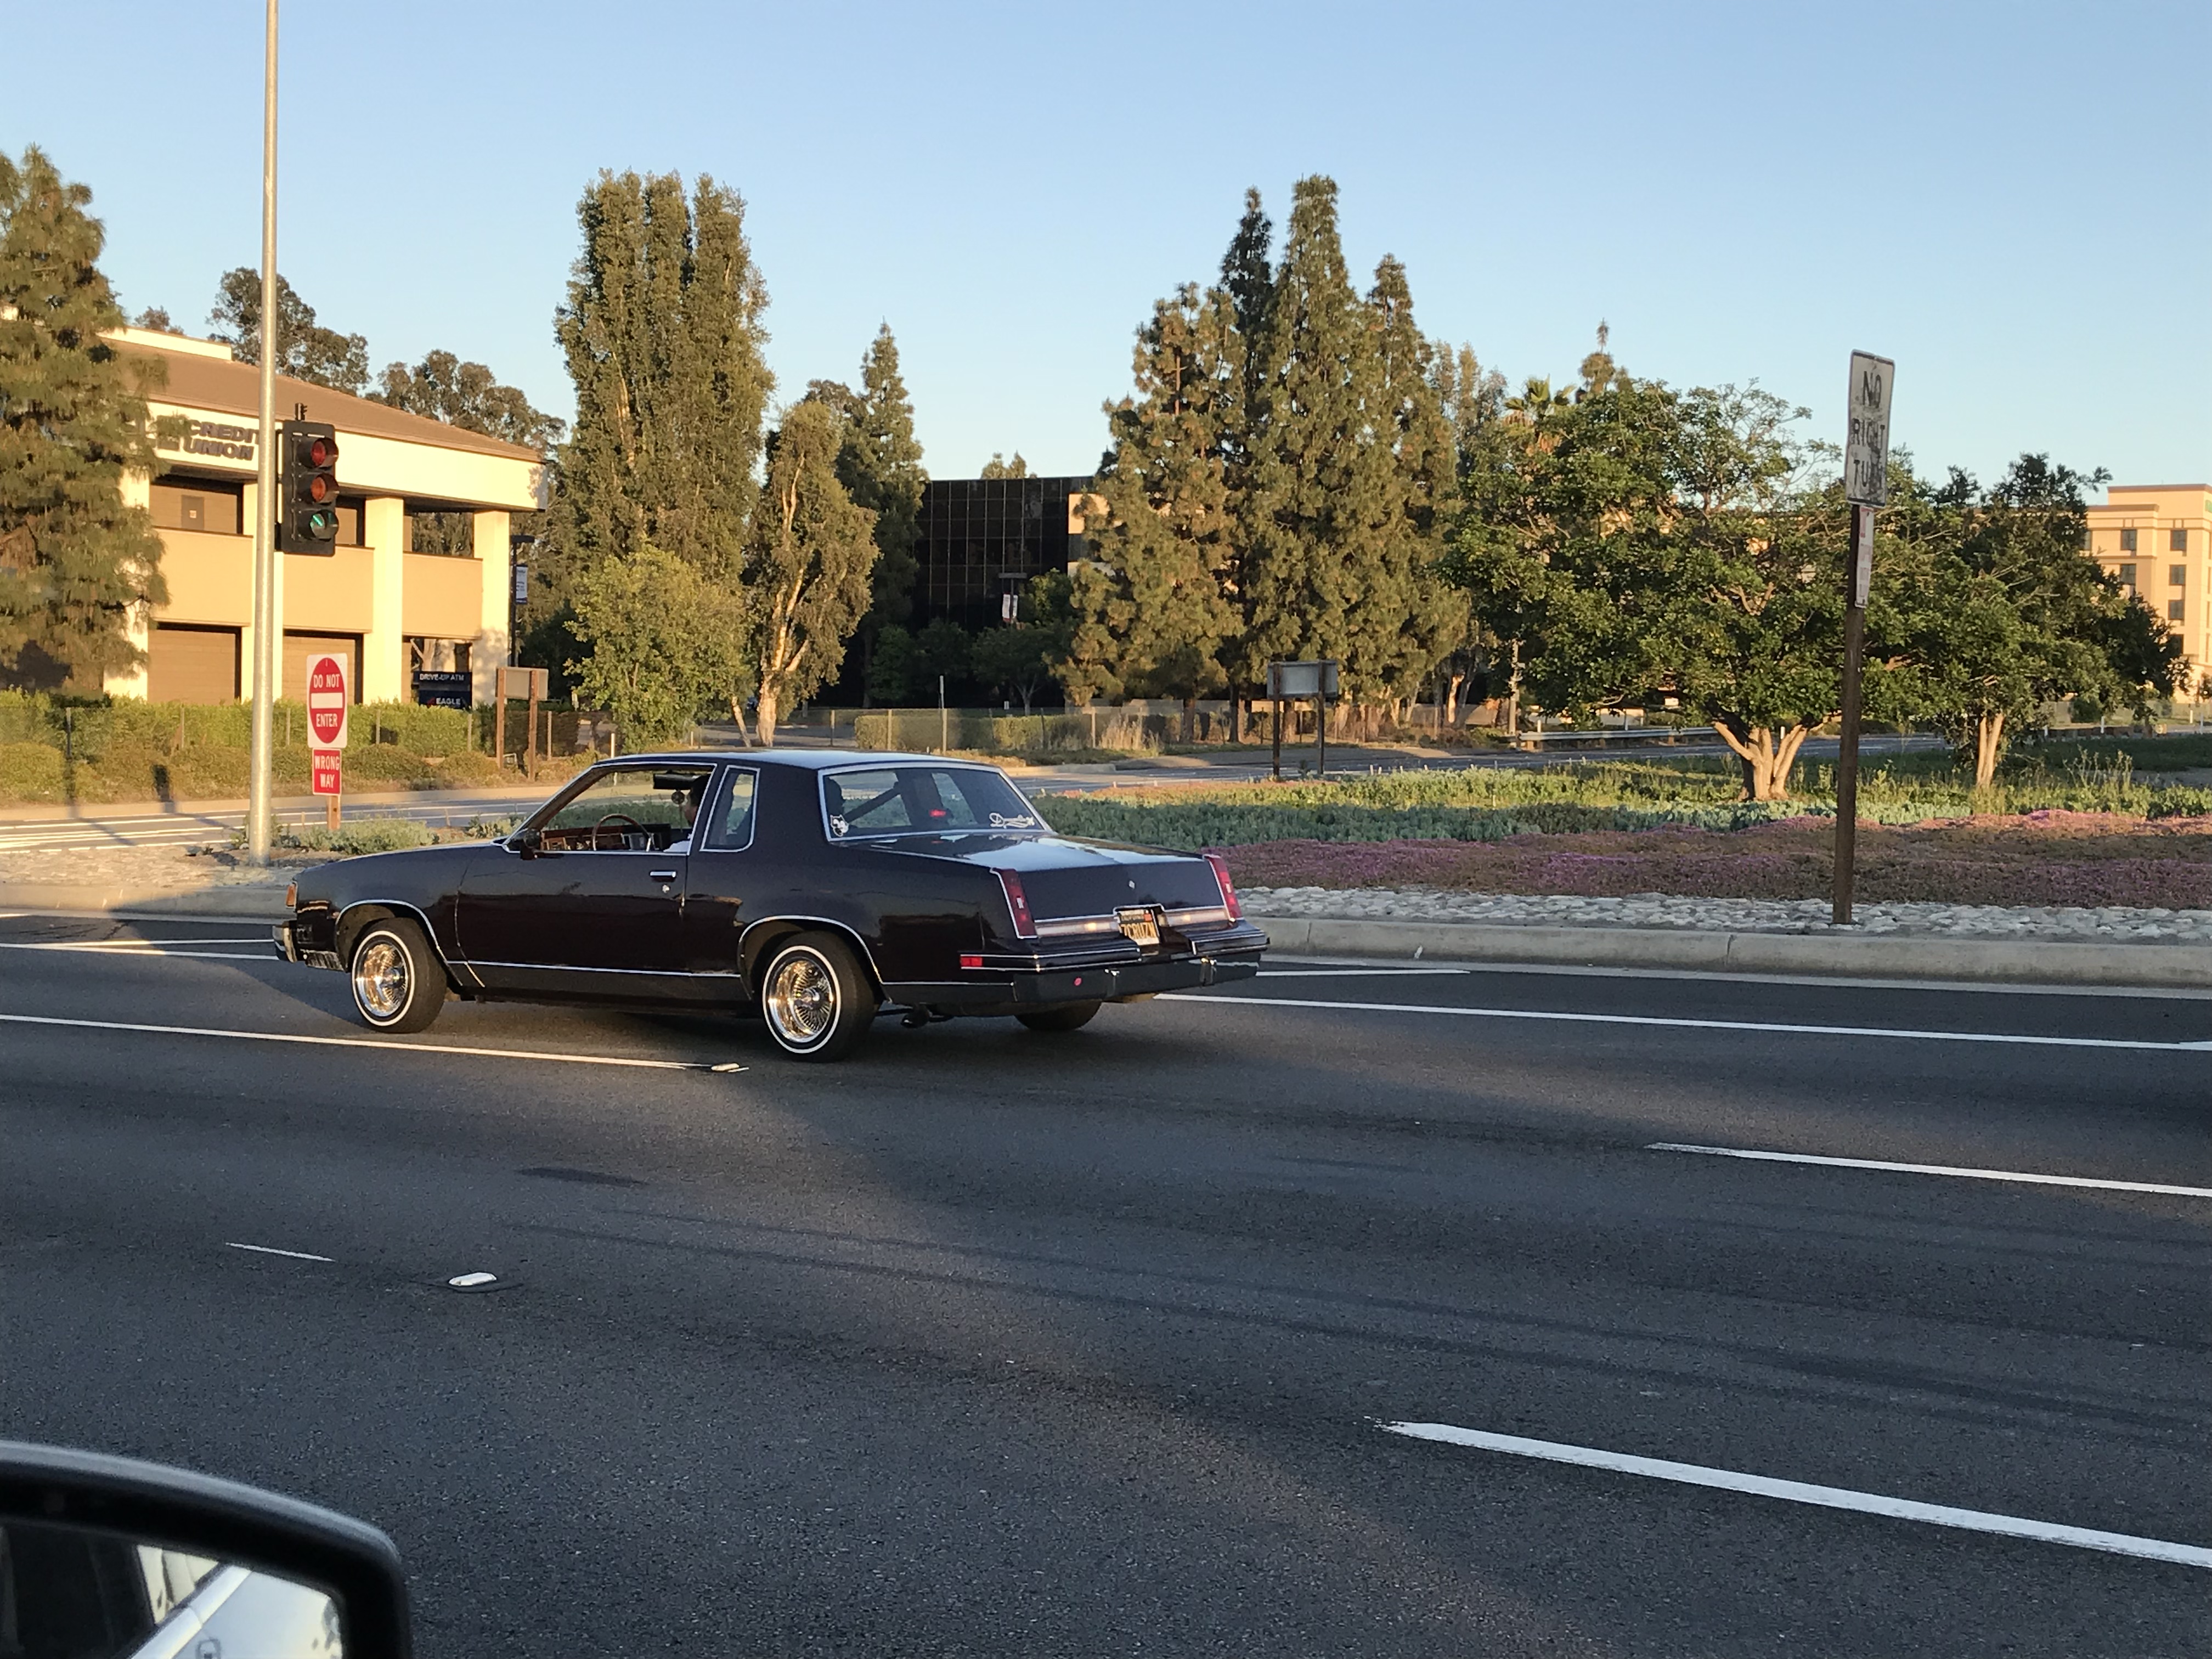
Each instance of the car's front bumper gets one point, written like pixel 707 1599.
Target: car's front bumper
pixel 284 936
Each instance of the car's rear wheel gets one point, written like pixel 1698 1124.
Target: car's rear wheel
pixel 1060 1017
pixel 398 983
pixel 816 997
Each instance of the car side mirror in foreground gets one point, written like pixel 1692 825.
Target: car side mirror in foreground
pixel 109 1556
pixel 525 842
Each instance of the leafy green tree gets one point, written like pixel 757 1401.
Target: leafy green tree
pixel 155 318
pixel 999 467
pixel 468 396
pixel 880 466
pixel 1317 579
pixel 1247 281
pixel 892 667
pixel 662 332
pixel 1639 540
pixel 1070 609
pixel 74 561
pixel 1426 619
pixel 305 349
pixel 664 644
pixel 1014 659
pixel 808 565
pixel 944 649
pixel 2001 613
pixel 1163 548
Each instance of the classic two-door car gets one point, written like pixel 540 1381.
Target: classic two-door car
pixel 816 888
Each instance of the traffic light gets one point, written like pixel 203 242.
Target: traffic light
pixel 307 488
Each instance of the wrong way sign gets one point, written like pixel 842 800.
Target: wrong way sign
pixel 328 697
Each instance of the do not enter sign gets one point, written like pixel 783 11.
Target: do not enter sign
pixel 327 699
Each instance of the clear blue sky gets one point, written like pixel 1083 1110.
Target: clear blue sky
pixel 2015 201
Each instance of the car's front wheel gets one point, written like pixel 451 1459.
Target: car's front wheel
pixel 1060 1017
pixel 816 997
pixel 398 983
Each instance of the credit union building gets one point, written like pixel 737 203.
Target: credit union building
pixel 420 576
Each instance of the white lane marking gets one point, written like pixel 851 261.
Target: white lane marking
pixel 1962 1172
pixel 1798 1491
pixel 1699 1025
pixel 271 1249
pixel 381 1046
pixel 470 1281
pixel 141 948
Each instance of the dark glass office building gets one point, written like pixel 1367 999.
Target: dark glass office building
pixel 982 537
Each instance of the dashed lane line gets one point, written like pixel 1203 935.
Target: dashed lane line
pixel 1959 1172
pixel 1799 1491
pixel 1675 1024
pixel 271 1249
pixel 381 1046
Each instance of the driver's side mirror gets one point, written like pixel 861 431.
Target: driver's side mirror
pixel 528 842
pixel 108 1555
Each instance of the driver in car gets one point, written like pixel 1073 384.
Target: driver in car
pixel 688 802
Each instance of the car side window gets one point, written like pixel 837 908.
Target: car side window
pixel 731 830
pixel 643 809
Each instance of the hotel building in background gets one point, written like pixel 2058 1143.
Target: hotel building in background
pixel 2157 540
pixel 421 577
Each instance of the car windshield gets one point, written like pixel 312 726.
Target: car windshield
pixel 902 800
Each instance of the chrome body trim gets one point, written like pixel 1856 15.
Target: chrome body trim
pixel 337 924
pixel 845 927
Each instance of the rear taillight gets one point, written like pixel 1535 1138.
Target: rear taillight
pixel 1018 903
pixel 1228 887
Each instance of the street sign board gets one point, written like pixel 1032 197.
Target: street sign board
pixel 1866 450
pixel 324 770
pixel 328 697
pixel 1302 679
pixel 528 683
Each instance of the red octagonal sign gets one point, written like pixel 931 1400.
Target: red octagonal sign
pixel 326 702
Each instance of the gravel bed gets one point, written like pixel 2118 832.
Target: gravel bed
pixel 2114 923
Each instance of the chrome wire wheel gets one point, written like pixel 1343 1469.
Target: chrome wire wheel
pixel 802 998
pixel 383 979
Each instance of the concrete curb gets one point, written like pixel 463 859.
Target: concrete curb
pixel 250 902
pixel 1878 957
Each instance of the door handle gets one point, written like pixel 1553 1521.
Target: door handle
pixel 660 875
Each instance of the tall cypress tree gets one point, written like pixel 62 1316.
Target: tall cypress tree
pixel 1248 285
pixel 664 339
pixel 1167 535
pixel 880 466
pixel 1423 618
pixel 1322 496
pixel 74 560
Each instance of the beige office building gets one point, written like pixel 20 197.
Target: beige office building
pixel 2157 540
pixel 404 480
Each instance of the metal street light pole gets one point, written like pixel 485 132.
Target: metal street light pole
pixel 268 625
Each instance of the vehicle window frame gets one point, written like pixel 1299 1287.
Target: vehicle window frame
pixel 553 808
pixel 822 803
pixel 719 794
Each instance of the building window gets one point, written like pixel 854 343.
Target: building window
pixel 2177 541
pixel 2127 574
pixel 2175 575
pixel 207 505
pixel 2173 610
pixel 2127 540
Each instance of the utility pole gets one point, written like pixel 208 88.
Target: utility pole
pixel 268 622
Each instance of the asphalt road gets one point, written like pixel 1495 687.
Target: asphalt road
pixel 994 1342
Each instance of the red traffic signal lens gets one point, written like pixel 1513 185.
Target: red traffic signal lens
pixel 320 452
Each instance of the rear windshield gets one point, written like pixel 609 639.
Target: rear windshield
pixel 905 800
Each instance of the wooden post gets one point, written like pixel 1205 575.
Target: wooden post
pixel 1275 726
pixel 1320 731
pixel 530 734
pixel 330 810
pixel 1847 747
pixel 498 721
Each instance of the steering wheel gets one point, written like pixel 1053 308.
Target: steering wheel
pixel 600 829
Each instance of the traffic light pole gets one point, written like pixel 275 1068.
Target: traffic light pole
pixel 268 624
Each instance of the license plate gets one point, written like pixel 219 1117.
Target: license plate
pixel 1143 927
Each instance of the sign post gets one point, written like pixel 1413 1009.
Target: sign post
pixel 1866 487
pixel 329 698
pixel 1317 680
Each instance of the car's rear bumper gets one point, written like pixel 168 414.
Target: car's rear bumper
pixel 1097 973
